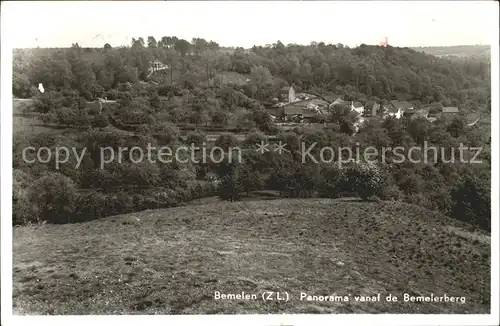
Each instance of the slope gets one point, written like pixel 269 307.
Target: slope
pixel 172 261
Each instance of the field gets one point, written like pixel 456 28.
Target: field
pixel 32 125
pixel 459 50
pixel 171 261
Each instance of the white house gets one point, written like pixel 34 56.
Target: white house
pixel 156 65
pixel 396 113
pixel 398 108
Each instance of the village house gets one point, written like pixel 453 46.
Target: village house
pixel 317 102
pixel 397 109
pixel 450 110
pixel 421 113
pixel 358 107
pixel 394 112
pixel 273 109
pixel 304 110
pixel 157 65
pixel 338 101
pixel 304 96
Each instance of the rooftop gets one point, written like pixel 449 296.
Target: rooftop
pixel 299 108
pixel 357 104
pixel 402 104
pixel 450 109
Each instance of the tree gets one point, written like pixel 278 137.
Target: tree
pixel 53 196
pixel 138 42
pixel 366 179
pixel 223 63
pixel 346 126
pixel 262 120
pixel 167 133
pixel 322 73
pixel 306 75
pixel 472 201
pixel 21 85
pixel 22 209
pixel 261 78
pixel 199 45
pixel 227 141
pixel 182 46
pixel 197 117
pixel 195 137
pixel 255 138
pixel 154 101
pixel 219 118
pixel 66 116
pixel 152 42
pixel 456 127
pixel 249 178
pixel 230 186
pixel 100 121
pixel 419 129
pixel 84 79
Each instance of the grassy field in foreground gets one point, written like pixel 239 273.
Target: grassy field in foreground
pixel 171 261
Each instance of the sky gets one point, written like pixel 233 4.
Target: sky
pixel 248 23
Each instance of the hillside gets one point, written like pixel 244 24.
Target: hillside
pixel 171 261
pixel 458 50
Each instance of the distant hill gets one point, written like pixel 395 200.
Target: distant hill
pixel 458 50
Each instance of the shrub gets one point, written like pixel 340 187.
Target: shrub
pixel 195 137
pixel 255 138
pixel 66 116
pixel 366 179
pixel 91 206
pixel 143 129
pixel 100 121
pixel 331 185
pixel 226 140
pixel 250 179
pixel 166 133
pixel 391 192
pixel 53 196
pixel 230 186
pixel 23 211
pixel 472 202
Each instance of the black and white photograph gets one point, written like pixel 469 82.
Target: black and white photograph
pixel 250 162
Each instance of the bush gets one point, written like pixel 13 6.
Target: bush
pixel 331 185
pixel 230 186
pixel 53 197
pixel 255 138
pixel 100 121
pixel 91 206
pixel 472 202
pixel 166 133
pixel 391 192
pixel 366 179
pixel 226 141
pixel 66 116
pixel 23 211
pixel 195 137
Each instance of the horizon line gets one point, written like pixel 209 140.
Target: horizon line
pixel 265 46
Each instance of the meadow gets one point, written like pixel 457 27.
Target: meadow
pixel 171 261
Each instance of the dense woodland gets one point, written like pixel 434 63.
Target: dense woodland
pixel 206 85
